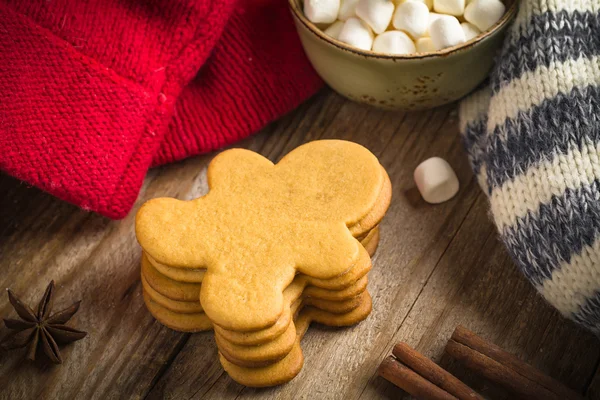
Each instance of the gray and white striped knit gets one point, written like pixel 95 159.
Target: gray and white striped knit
pixel 533 138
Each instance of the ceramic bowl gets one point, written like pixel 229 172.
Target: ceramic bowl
pixel 407 82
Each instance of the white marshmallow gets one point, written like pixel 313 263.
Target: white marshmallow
pixel 432 17
pixel 376 13
pixel 347 9
pixel 321 11
pixel 356 33
pixel 334 29
pixel 425 45
pixel 446 32
pixel 436 180
pixel 470 30
pixel 394 42
pixel 484 13
pixel 428 3
pixel 412 17
pixel 450 7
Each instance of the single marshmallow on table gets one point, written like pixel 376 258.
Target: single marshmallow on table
pixel 321 11
pixel 428 3
pixel 446 32
pixel 424 45
pixel 356 33
pixel 484 13
pixel 394 42
pixel 334 29
pixel 470 30
pixel 436 180
pixel 412 17
pixel 376 13
pixel 347 9
pixel 450 7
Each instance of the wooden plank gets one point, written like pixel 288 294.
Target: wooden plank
pixel 592 391
pixel 96 260
pixel 437 266
pixel 476 285
pixel 410 248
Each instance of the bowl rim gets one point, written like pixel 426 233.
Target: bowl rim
pixel 296 9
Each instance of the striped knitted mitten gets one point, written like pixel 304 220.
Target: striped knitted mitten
pixel 533 138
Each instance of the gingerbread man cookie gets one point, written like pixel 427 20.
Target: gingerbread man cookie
pixel 263 223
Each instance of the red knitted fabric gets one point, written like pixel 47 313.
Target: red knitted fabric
pixel 256 73
pixel 96 91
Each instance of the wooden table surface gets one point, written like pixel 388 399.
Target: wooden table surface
pixel 436 267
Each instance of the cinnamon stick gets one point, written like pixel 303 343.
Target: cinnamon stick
pixel 504 368
pixel 413 383
pixel 434 373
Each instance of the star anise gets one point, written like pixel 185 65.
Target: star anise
pixel 40 329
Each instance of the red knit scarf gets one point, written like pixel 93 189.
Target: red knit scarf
pixel 95 92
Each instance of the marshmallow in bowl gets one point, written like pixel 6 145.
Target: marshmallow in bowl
pixel 394 42
pixel 376 13
pixel 470 30
pixel 334 29
pixel 484 13
pixel 347 9
pixel 321 11
pixel 432 17
pixel 356 33
pixel 428 3
pixel 412 17
pixel 358 22
pixel 424 45
pixel 446 32
pixel 450 7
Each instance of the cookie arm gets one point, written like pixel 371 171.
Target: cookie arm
pixel 325 251
pixel 161 233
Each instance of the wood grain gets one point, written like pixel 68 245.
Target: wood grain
pixel 436 267
pixel 466 342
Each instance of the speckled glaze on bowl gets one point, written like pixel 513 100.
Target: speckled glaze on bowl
pixel 409 82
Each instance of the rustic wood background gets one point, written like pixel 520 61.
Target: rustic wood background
pixel 436 267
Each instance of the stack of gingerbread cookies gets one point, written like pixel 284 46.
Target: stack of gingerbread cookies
pixel 268 250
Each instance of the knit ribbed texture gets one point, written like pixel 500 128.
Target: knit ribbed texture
pixel 97 91
pixel 249 81
pixel 533 138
